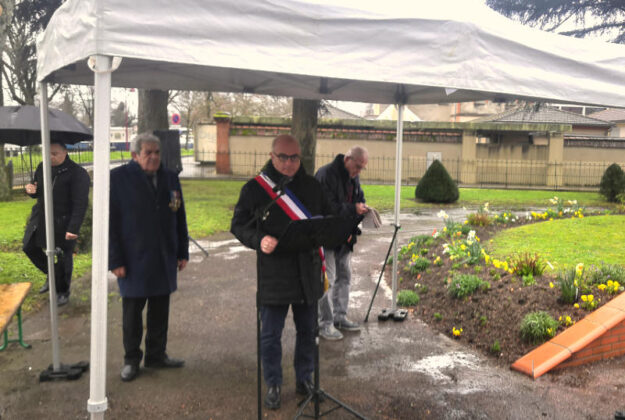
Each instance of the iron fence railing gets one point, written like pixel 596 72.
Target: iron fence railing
pixel 380 169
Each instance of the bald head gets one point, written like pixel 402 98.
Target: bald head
pixel 286 154
pixel 356 160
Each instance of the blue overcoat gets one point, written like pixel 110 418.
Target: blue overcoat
pixel 147 231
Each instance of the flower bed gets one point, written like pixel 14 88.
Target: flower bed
pixel 503 307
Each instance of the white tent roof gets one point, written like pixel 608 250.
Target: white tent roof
pixel 342 50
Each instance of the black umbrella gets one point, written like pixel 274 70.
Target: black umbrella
pixel 21 125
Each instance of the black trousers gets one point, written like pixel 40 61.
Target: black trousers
pixel 63 266
pixel 157 319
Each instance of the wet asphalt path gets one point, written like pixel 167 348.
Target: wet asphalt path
pixel 389 370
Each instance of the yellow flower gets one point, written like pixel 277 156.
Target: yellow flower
pixel 549 331
pixel 576 306
pixel 601 287
pixel 590 298
pixel 466 221
pixel 560 318
pixel 463 247
pixel 584 298
pixel 568 320
pixel 581 216
pixel 610 283
pixel 445 229
pixel 551 285
pixel 486 258
pixel 579 267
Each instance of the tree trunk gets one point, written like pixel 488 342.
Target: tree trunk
pixel 6 15
pixel 304 129
pixel 153 110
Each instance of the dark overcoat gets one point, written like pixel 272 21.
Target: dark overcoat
pixel 336 184
pixel 70 199
pixel 147 230
pixel 286 276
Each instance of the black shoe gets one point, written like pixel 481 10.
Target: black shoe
pixel 272 399
pixel 45 287
pixel 62 299
pixel 129 372
pixel 167 362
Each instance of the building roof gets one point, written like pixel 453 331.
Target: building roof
pixel 610 114
pixel 330 111
pixel 544 114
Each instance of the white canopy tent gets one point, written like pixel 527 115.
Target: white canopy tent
pixel 384 52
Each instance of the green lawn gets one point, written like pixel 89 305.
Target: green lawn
pixel 22 163
pixel 209 205
pixel 566 242
pixel 382 197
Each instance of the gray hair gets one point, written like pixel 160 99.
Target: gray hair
pixel 357 153
pixel 147 137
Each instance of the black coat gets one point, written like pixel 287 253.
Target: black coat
pixel 70 199
pixel 285 276
pixel 147 232
pixel 336 182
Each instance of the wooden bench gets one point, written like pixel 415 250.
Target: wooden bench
pixel 11 298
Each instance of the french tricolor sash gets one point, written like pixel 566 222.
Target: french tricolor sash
pixel 293 208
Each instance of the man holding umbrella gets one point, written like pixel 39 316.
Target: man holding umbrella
pixel 70 198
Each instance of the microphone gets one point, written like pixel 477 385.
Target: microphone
pixel 280 185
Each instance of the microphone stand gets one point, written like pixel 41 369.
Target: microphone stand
pixel 260 216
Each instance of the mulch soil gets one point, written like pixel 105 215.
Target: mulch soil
pixel 486 316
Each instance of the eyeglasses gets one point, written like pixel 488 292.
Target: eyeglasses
pixel 284 157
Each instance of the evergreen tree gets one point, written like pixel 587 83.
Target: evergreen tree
pixel 436 186
pixel 605 17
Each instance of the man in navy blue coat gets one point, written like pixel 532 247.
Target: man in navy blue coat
pixel 148 245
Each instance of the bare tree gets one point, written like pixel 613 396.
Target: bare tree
pixel 19 60
pixel 304 129
pixel 153 110
pixel 6 15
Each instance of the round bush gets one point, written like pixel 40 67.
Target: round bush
pixel 612 182
pixel 436 186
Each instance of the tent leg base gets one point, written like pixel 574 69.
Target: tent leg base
pixel 65 372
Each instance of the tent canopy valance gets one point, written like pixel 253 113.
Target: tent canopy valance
pixel 380 52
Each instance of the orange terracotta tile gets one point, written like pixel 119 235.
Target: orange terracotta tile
pixel 606 316
pixel 577 336
pixel 541 359
pixel 617 302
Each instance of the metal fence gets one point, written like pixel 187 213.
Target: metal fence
pixel 380 170
pixel 479 172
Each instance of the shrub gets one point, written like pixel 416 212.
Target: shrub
pixel 479 219
pixel 529 280
pixel 569 286
pixel 417 264
pixel 526 264
pixel 407 298
pixel 612 182
pixel 536 327
pixel 606 272
pixel 436 186
pixel 463 285
pixel 438 316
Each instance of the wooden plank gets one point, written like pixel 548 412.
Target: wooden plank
pixel 11 298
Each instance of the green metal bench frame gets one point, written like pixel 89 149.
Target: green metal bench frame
pixel 20 335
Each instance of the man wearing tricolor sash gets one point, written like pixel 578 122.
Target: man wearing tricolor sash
pixel 286 277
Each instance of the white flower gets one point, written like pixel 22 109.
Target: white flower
pixel 442 214
pixel 471 236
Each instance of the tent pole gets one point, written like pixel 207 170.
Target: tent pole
pixel 97 403
pixel 49 218
pixel 398 162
